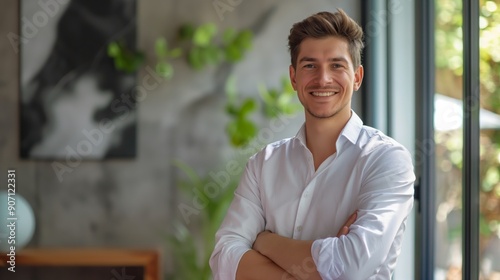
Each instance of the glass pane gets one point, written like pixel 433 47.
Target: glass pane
pixel 448 138
pixel 489 43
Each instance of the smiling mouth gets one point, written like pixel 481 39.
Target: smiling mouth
pixel 323 93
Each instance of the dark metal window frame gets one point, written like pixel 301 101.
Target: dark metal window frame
pixel 425 169
pixel 470 193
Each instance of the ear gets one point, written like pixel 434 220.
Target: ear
pixel 291 71
pixel 358 77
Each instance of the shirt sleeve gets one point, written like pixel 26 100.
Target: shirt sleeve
pixel 243 221
pixel 384 202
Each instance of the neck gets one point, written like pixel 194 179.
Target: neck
pixel 322 135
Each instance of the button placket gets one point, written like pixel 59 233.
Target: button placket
pixel 304 204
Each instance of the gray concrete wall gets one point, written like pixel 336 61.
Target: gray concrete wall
pixel 131 203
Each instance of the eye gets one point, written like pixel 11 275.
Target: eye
pixel 337 65
pixel 309 66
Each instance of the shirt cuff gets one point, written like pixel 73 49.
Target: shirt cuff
pixel 327 260
pixel 227 265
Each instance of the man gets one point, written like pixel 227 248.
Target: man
pixel 292 214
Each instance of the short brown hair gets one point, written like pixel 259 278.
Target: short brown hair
pixel 325 24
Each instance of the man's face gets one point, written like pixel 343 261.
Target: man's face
pixel 324 77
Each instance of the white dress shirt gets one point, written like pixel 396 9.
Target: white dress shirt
pixel 281 191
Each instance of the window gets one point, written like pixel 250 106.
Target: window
pixel 460 175
pixel 453 49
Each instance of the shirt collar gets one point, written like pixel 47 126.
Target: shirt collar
pixel 350 132
pixel 353 128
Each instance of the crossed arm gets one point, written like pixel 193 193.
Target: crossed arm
pixel 277 257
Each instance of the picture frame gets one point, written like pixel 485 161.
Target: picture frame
pixel 74 101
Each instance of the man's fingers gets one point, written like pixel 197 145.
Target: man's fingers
pixel 351 219
pixel 345 228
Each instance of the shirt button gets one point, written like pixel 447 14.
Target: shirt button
pixel 299 228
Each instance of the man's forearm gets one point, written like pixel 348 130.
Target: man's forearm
pixel 255 266
pixel 291 255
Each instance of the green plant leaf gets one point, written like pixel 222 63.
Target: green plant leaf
pixel 287 85
pixel 195 59
pixel 240 132
pixel 230 89
pixel 203 34
pixel 204 56
pixel 164 69
pixel 233 53
pixel 228 36
pixel 161 47
pixel 247 129
pixel 186 31
pixel 212 54
pixel 248 106
pixel 124 59
pixel 264 93
pixel 244 39
pixel 175 52
pixel 279 101
pixel 231 110
pixel 113 49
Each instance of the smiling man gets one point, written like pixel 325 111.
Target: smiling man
pixel 331 202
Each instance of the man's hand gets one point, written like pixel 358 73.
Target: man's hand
pixel 259 244
pixel 345 228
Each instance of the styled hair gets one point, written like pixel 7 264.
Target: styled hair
pixel 324 24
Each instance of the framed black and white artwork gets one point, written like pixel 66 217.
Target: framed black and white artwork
pixel 73 101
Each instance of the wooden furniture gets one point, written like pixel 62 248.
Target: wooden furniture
pixel 116 262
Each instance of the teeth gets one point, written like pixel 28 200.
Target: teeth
pixel 330 93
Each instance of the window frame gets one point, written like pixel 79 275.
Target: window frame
pixel 425 167
pixel 470 171
pixel 380 97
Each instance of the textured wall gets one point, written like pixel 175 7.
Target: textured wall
pixel 130 203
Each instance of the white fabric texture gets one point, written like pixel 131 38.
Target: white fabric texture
pixel 280 191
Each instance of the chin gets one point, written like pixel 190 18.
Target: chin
pixel 322 115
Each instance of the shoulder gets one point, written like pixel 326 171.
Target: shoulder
pixel 379 150
pixel 373 141
pixel 273 149
pixel 383 157
pixel 269 156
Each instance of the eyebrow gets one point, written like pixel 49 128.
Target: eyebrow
pixel 333 59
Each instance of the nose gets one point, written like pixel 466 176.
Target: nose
pixel 324 77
